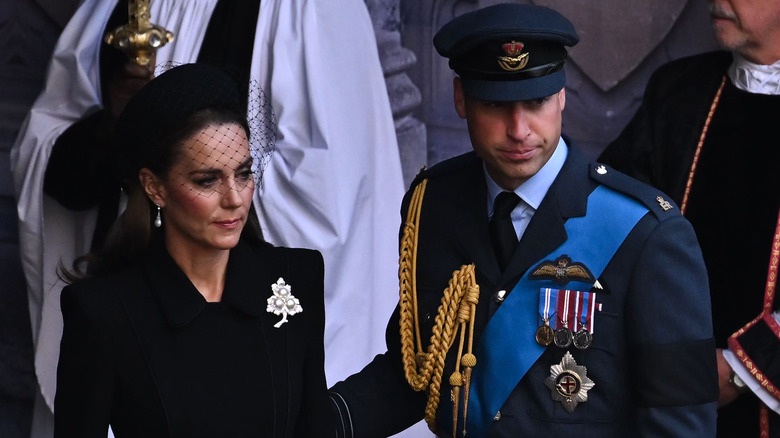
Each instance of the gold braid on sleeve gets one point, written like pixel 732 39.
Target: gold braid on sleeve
pixel 424 368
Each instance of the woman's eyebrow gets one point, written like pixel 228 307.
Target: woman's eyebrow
pixel 214 171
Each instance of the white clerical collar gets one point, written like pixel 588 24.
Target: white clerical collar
pixel 535 188
pixel 755 78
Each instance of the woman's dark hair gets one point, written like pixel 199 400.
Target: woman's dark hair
pixel 149 134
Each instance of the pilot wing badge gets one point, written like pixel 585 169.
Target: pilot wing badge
pixel 561 271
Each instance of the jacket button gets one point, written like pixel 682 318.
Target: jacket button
pixel 500 296
pixel 498 416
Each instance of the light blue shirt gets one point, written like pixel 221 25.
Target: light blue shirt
pixel 530 192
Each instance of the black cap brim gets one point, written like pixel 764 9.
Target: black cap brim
pixel 512 91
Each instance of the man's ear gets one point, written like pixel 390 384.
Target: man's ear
pixel 152 186
pixel 459 97
pixel 562 98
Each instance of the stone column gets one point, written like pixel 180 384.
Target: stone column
pixel 405 97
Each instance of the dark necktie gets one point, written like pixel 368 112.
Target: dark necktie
pixel 502 232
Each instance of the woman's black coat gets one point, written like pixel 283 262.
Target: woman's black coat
pixel 143 351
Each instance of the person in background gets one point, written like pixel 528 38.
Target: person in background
pixel 187 323
pixel 333 184
pixel 704 135
pixel 540 294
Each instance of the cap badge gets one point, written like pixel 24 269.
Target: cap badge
pixel 562 271
pixel 569 383
pixel 513 59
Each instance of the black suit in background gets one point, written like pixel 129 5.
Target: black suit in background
pixel 734 198
pixel 143 351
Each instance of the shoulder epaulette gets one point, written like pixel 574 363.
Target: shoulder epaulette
pixel 445 167
pixel 659 203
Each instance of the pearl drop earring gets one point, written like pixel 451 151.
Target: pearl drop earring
pixel 158 219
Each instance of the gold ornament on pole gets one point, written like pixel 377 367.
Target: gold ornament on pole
pixel 139 38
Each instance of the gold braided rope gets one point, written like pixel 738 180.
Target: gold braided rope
pixel 697 153
pixel 424 369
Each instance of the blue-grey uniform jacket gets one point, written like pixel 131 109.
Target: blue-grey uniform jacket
pixel 652 359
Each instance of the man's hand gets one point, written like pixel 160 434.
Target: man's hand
pixel 728 392
pixel 124 84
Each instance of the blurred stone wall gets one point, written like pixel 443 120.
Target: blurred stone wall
pixel 621 43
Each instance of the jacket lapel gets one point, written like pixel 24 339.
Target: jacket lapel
pixel 566 198
pixel 248 279
pixel 472 212
pixel 179 300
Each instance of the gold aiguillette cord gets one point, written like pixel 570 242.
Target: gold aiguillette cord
pixel 424 369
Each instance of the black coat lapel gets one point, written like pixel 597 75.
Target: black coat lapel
pixel 180 301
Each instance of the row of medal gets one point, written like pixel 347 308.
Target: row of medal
pixel 567 318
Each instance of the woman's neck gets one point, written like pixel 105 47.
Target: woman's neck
pixel 205 269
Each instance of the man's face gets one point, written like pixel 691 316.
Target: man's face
pixel 750 27
pixel 514 139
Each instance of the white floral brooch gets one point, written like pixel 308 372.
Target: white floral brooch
pixel 282 302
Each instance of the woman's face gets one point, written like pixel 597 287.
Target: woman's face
pixel 207 194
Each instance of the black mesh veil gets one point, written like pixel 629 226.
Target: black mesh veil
pixel 202 108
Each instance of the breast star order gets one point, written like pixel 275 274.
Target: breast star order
pixel 282 302
pixel 569 383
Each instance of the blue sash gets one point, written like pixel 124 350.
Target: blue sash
pixel 507 347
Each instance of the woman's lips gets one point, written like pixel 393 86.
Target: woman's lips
pixel 229 224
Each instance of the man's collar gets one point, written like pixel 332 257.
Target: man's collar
pixel 755 78
pixel 533 190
